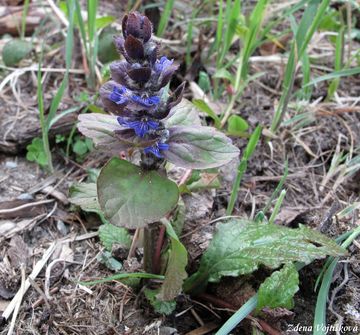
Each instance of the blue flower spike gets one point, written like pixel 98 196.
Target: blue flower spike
pixel 119 95
pixel 141 127
pixel 156 148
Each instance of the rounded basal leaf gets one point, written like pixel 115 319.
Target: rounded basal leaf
pixel 133 198
pixel 14 51
pixel 199 147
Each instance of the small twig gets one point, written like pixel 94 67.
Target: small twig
pixel 58 13
pixel 31 204
pixel 134 243
pixel 19 296
pixel 38 267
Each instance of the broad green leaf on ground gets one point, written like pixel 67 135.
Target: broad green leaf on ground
pixel 278 290
pixel 161 307
pixel 237 126
pixel 183 114
pixel 131 197
pixel 84 195
pixel 204 107
pixel 14 51
pixel 240 246
pixel 175 270
pixel 197 147
pixel 110 235
pixel 109 261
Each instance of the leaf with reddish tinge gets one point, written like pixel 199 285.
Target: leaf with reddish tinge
pixel 197 147
pixel 101 129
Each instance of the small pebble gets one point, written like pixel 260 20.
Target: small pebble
pixel 61 227
pixel 11 165
pixel 25 196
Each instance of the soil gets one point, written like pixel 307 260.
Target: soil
pixel 57 303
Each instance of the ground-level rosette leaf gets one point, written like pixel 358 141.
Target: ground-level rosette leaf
pixel 240 247
pixel 132 197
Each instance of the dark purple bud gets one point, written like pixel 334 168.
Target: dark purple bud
pixel 138 26
pixel 176 96
pixel 147 29
pixel 120 47
pixel 133 25
pixel 166 75
pixel 123 25
pixel 118 72
pixel 134 48
pixel 141 75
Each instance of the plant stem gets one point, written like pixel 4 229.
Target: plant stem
pixel 149 247
pixel 157 254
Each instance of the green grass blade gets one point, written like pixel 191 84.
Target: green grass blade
pixel 254 139
pixel 240 315
pixel 164 20
pixel 336 74
pixel 308 24
pixel 82 29
pixel 278 187
pixel 320 309
pixel 23 18
pixel 339 54
pixel 69 44
pixel 44 128
pixel 123 276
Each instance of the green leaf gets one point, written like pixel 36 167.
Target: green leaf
pixel 80 147
pixel 205 181
pixel 240 246
pixel 204 107
pixel 161 307
pixel 14 51
pixel 254 139
pixel 178 218
pixel 109 261
pixel 175 270
pixel 278 290
pixel 183 114
pixel 224 74
pixel 36 152
pixel 131 197
pixel 237 126
pixel 104 21
pixel 84 195
pixel 101 129
pixel 110 235
pixel 197 147
pixel 106 50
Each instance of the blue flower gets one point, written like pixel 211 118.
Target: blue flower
pixel 156 148
pixel 141 127
pixel 162 64
pixel 147 102
pixel 119 95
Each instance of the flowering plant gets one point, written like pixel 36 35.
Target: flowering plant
pixel 146 118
